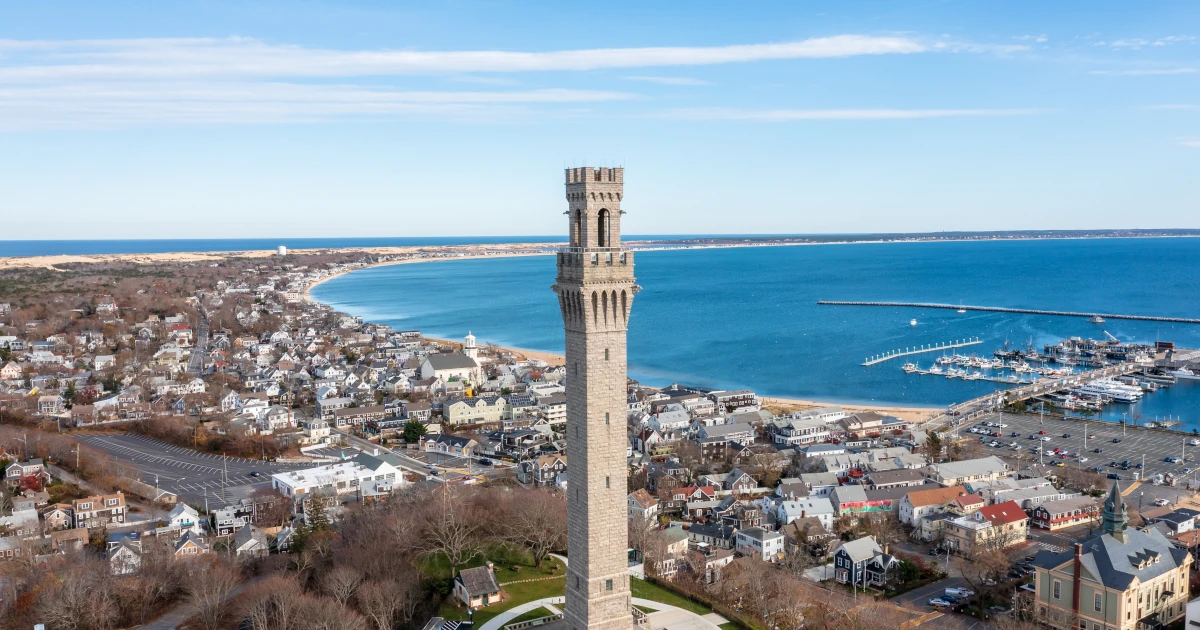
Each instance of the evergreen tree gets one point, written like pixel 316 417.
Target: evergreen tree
pixel 413 430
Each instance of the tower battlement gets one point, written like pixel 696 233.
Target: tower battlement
pixel 587 174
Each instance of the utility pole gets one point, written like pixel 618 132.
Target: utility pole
pixel 224 476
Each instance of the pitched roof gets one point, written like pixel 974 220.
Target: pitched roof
pixel 643 498
pixel 1003 513
pixel 1145 555
pixel 453 361
pixel 862 549
pixel 934 496
pixel 478 581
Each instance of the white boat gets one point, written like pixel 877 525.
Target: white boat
pixel 910 367
pixel 1185 374
pixel 912 322
pixel 1096 319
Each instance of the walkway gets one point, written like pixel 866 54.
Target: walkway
pixel 664 617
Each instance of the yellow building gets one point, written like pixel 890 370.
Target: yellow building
pixel 1121 579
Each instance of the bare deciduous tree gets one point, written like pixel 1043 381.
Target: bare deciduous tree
pixel 342 582
pixel 537 520
pixel 450 528
pixel 208 585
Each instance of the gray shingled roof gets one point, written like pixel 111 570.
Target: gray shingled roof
pixel 451 361
pixel 1112 562
pixel 478 581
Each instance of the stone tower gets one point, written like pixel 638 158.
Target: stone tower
pixel 595 287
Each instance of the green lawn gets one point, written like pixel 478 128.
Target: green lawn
pixel 729 625
pixel 646 590
pixel 645 609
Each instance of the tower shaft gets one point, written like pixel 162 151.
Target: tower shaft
pixel 595 287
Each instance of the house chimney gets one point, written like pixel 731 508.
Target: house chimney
pixel 1076 583
pixel 885 549
pixel 803 513
pixel 490 566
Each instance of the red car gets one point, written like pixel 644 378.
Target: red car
pixel 1041 433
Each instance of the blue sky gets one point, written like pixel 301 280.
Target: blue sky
pixel 215 119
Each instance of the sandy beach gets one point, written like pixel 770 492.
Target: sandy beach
pixel 435 253
pixel 911 414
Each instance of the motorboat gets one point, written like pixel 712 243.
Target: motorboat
pixel 1185 373
pixel 1096 319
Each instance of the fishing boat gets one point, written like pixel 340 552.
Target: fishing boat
pixel 910 368
pixel 1096 319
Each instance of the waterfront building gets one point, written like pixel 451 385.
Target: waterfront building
pixel 595 287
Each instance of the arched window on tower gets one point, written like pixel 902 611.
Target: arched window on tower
pixel 577 229
pixel 602 229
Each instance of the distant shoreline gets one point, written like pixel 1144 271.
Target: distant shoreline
pixel 51 261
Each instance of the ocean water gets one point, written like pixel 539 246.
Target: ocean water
pixel 159 246
pixel 748 317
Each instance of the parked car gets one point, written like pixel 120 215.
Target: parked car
pixel 1016 434
pixel 1066 435
pixel 1041 433
pixel 1098 469
pixel 1114 476
pixel 1115 440
pixel 938 602
pixel 1082 460
pixel 1098 450
pixel 1161 502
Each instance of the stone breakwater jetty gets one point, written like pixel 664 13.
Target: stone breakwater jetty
pixel 1002 309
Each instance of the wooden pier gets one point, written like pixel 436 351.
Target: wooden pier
pixel 888 356
pixel 1029 311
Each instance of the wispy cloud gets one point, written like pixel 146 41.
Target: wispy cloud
pixel 1145 72
pixel 241 57
pixel 1175 106
pixel 1137 43
pixel 1190 142
pixel 137 82
pixel 784 115
pixel 670 80
pixel 1040 39
pixel 111 105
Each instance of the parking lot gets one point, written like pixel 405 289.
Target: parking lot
pixel 1086 437
pixel 193 475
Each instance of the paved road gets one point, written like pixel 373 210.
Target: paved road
pixel 191 474
pixel 1135 443
pixel 196 362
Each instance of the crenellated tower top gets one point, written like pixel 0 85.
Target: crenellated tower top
pixel 594 206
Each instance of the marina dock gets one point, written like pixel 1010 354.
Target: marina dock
pixel 1030 311
pixel 896 354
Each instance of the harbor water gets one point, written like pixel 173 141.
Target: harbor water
pixel 748 317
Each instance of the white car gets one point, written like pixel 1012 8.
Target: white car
pixel 1016 447
pixel 1082 459
pixel 1194 442
pixel 1045 438
pixel 938 602
pixel 1161 502
pixel 999 425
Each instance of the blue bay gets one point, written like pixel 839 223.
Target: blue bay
pixel 748 317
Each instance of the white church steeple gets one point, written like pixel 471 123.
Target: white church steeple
pixel 469 347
